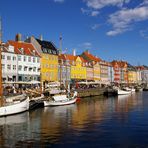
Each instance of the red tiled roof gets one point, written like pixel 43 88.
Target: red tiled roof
pixel 82 59
pixel 140 67
pixel 28 48
pixel 70 57
pixel 62 56
pixel 92 57
pixel 119 63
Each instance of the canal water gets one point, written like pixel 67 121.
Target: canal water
pixel 93 122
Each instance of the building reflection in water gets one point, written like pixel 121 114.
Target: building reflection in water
pixel 50 125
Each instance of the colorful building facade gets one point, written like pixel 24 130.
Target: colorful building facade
pixel 28 61
pixel 132 74
pixel 78 67
pixel 49 59
pixel 64 70
pixel 104 72
pixel 95 63
pixel 89 71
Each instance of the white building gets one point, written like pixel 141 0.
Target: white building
pixel 28 61
pixel 9 63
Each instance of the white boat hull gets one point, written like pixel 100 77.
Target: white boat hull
pixel 15 108
pixel 122 92
pixel 59 103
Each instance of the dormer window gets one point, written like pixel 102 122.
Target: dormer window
pixel 54 52
pixel 33 52
pixel 21 50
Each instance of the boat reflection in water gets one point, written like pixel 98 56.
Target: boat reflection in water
pixel 15 119
pixel 93 122
pixel 11 128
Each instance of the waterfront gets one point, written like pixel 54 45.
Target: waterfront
pixel 94 122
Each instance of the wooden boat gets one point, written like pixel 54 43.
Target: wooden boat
pixel 59 100
pixel 15 105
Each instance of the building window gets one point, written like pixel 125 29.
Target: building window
pixel 19 58
pixel 33 59
pixel 9 67
pixel 14 67
pixel 14 58
pixel 3 66
pixel 24 58
pixel 30 68
pixel 8 57
pixel 19 67
pixel 29 59
pixel 3 56
pixel 34 69
pixel 25 68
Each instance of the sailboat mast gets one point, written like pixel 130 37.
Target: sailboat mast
pixel 60 52
pixel 1 87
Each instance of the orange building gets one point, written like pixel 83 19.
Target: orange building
pixel 95 62
pixel 120 71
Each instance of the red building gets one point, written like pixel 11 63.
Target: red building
pixel 120 71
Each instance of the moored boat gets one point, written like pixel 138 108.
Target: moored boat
pixel 123 92
pixel 15 105
pixel 59 100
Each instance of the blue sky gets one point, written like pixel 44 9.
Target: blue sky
pixel 110 29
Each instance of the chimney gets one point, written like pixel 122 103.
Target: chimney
pixel 18 37
pixel 41 37
pixel 74 52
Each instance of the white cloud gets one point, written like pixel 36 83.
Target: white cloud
pixel 86 45
pixel 94 13
pixel 122 20
pixel 85 11
pixel 60 1
pixel 98 4
pixel 89 12
pixel 144 33
pixel 95 26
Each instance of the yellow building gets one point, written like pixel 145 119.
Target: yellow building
pixel 78 67
pixel 49 58
pixel 132 77
pixel 49 67
pixel 97 71
pixel 132 74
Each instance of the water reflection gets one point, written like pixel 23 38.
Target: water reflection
pixel 91 121
pixel 11 127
